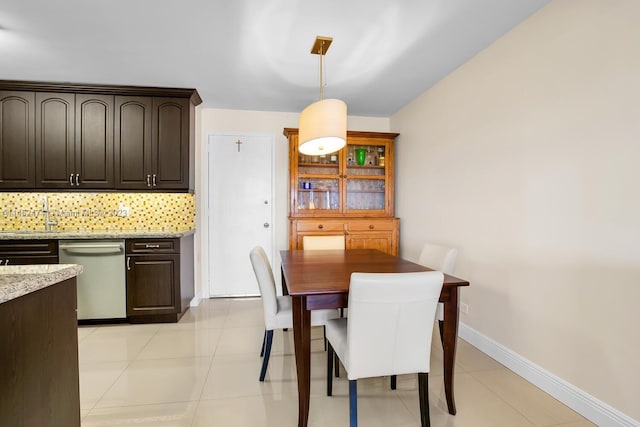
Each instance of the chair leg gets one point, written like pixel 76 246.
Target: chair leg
pixel 324 336
pixel 337 364
pixel 423 391
pixel 330 355
pixel 264 340
pixel 394 382
pixel 353 403
pixel 441 325
pixel 267 353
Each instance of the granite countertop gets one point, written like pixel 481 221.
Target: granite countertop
pixel 94 234
pixel 19 280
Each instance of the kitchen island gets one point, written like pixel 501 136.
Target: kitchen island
pixel 39 345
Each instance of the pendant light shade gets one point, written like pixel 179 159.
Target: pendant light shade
pixel 323 124
pixel 323 127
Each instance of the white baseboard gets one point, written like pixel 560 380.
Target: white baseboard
pixel 583 403
pixel 194 302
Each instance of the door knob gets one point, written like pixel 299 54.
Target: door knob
pixel 265 225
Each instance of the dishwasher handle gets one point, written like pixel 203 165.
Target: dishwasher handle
pixel 105 248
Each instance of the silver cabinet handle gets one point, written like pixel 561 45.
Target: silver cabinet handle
pixel 6 262
pixel 78 179
pixel 71 179
pixel 148 180
pixel 154 179
pixel 128 263
pixel 149 246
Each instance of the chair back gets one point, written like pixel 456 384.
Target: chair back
pixel 322 242
pixel 390 322
pixel 438 257
pixel 267 285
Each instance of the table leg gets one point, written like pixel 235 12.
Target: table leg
pixel 302 345
pixel 450 336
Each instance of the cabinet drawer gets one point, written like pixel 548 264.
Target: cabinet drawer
pixel 371 225
pixel 320 226
pixel 10 248
pixel 29 260
pixel 145 246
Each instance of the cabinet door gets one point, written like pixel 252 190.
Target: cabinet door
pixel 132 142
pixel 17 140
pixel 316 187
pixel 368 185
pixel 55 151
pixel 170 143
pixel 153 284
pixel 380 241
pixel 94 141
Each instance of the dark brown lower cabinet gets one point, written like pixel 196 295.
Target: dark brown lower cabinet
pixel 27 252
pixel 39 358
pixel 159 279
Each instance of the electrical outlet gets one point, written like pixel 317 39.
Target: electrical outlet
pixel 464 308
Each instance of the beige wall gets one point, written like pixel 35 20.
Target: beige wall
pixel 527 158
pixel 218 121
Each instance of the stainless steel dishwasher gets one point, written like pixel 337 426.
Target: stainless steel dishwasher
pixel 102 292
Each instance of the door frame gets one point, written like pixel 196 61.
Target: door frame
pixel 205 211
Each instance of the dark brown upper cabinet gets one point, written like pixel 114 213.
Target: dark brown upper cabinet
pixel 170 143
pixel 74 141
pixel 94 140
pixel 84 137
pixel 152 143
pixel 133 142
pixel 17 139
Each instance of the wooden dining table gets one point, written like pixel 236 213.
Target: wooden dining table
pixel 320 280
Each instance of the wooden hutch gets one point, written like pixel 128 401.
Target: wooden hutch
pixel 338 195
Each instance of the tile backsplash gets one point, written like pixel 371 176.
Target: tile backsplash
pixel 98 211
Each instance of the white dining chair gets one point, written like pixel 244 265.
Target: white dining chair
pixel 310 243
pixel 387 332
pixel 441 258
pixel 322 242
pixel 277 309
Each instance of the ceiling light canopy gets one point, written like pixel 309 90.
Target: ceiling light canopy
pixel 323 124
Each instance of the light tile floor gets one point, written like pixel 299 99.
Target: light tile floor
pixel 203 371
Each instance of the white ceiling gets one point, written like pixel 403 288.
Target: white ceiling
pixel 254 54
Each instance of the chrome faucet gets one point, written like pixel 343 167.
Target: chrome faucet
pixel 45 209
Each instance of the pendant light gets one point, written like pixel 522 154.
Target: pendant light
pixel 323 124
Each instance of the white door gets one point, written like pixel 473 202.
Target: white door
pixel 240 195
